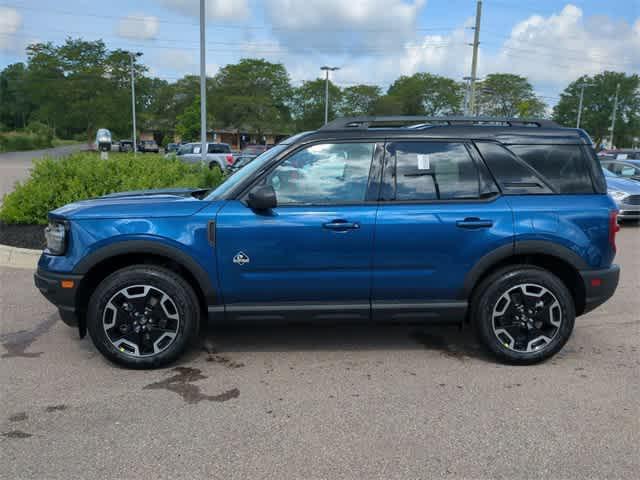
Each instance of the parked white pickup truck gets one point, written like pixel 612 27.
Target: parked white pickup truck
pixel 219 155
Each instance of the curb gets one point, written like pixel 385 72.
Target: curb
pixel 14 257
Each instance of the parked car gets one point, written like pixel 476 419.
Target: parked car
pixel 103 140
pixel 172 147
pixel 125 146
pixel 148 146
pixel 254 150
pixel 240 162
pixel 508 227
pixel 218 156
pixel 626 194
pixel 629 169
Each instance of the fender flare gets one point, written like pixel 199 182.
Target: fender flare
pixel 532 247
pixel 154 248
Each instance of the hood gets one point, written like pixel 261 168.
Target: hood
pixel 632 187
pixel 176 202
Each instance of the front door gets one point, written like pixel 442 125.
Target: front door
pixel 440 213
pixel 310 257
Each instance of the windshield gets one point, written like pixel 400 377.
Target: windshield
pixel 245 172
pixel 607 173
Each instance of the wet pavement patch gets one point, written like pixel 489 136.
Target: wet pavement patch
pixel 16 434
pixel 214 357
pixel 182 384
pixel 439 343
pixel 17 343
pixel 55 408
pixel 18 417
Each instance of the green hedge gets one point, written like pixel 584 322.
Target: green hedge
pixel 18 141
pixel 56 182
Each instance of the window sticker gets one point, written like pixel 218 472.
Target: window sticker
pixel 424 161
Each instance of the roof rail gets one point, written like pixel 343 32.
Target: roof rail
pixel 417 122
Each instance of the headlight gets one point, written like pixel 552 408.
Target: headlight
pixel 56 237
pixel 617 195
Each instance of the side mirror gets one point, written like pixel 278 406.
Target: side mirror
pixel 262 198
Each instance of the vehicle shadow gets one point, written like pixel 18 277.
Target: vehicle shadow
pixel 445 339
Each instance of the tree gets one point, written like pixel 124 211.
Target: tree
pixel 426 94
pixel 251 94
pixel 188 123
pixel 598 106
pixel 507 95
pixel 359 100
pixel 308 104
pixel 15 104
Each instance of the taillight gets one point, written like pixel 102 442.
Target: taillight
pixel 229 159
pixel 613 228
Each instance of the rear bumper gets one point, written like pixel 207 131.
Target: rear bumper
pixel 50 285
pixel 599 286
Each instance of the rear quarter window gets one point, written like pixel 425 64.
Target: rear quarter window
pixel 564 167
pixel 513 175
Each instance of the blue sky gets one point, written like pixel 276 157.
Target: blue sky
pixel 373 41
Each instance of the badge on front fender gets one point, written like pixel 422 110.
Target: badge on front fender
pixel 241 258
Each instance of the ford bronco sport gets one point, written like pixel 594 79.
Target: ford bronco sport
pixel 505 224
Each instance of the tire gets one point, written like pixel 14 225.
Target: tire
pixel 215 167
pixel 143 297
pixel 523 314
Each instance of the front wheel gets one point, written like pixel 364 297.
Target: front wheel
pixel 523 314
pixel 143 316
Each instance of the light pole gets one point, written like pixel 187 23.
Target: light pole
pixel 326 91
pixel 613 117
pixel 582 87
pixel 133 56
pixel 203 85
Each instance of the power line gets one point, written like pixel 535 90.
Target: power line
pixel 221 26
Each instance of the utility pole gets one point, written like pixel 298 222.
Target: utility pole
pixel 133 101
pixel 465 106
pixel 326 91
pixel 203 85
pixel 474 61
pixel 582 87
pixel 613 117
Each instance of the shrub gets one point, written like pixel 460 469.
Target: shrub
pixel 56 182
pixel 24 140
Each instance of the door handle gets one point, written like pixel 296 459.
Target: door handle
pixel 473 223
pixel 341 225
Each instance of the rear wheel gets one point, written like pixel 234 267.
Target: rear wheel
pixel 215 167
pixel 523 314
pixel 143 316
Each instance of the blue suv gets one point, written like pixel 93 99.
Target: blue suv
pixel 505 224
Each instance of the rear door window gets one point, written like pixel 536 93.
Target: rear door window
pixel 218 148
pixel 564 167
pixel 427 171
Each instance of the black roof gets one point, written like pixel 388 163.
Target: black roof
pixel 504 130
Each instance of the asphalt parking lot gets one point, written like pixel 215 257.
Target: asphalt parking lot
pixel 306 403
pixel 14 166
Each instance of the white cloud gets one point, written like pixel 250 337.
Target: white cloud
pixel 139 26
pixel 561 47
pixel 550 51
pixel 185 62
pixel 10 23
pixel 349 25
pixel 215 9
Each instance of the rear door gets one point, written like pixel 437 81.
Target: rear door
pixel 310 257
pixel 440 213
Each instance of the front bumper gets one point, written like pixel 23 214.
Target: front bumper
pixel 50 285
pixel 599 286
